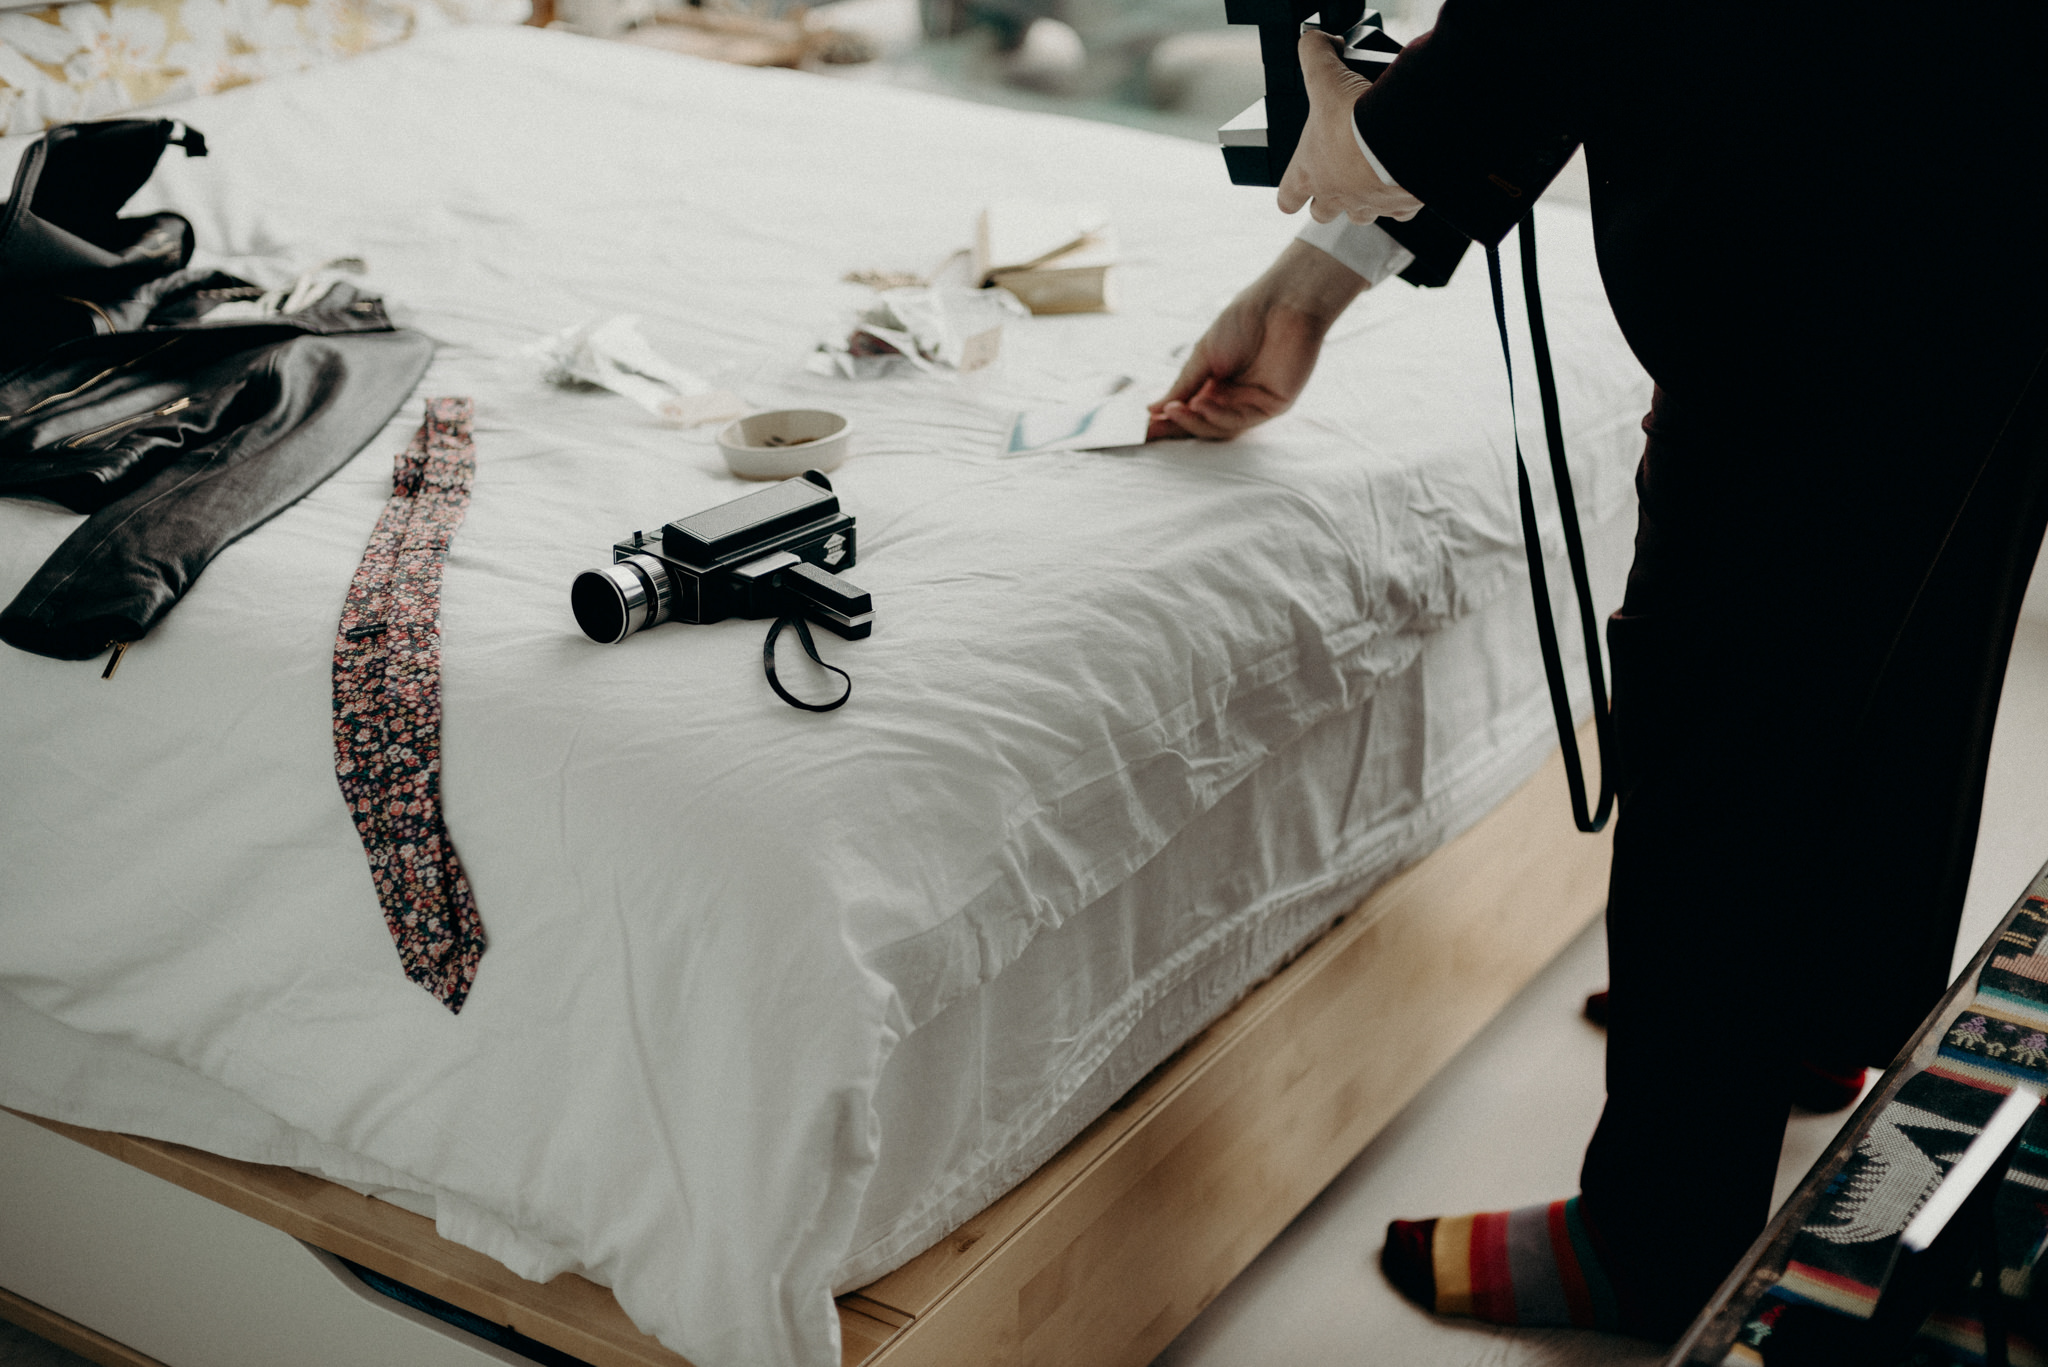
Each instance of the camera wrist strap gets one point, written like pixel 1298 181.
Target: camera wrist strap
pixel 1595 818
pixel 803 636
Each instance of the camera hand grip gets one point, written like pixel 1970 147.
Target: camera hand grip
pixel 832 602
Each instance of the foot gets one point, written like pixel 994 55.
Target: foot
pixel 1533 1266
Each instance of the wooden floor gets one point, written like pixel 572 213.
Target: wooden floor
pixel 1107 1252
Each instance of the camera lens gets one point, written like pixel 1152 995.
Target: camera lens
pixel 618 600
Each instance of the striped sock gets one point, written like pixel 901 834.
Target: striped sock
pixel 1533 1266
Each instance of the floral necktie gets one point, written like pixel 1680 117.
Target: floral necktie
pixel 387 709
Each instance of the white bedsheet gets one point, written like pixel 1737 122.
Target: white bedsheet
pixel 713 919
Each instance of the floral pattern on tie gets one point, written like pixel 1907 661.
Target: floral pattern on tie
pixel 387 709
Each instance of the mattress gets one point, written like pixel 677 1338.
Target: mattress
pixel 771 999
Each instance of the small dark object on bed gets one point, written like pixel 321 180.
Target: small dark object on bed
pixel 774 553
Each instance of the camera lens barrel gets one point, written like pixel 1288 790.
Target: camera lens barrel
pixel 620 599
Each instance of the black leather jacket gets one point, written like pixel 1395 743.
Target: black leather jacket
pixel 123 394
pixel 180 437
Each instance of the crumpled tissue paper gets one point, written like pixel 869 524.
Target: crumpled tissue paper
pixel 933 328
pixel 611 354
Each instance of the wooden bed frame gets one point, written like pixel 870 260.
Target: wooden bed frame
pixel 1102 1256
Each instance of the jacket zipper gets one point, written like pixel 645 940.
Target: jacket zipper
pixel 70 393
pixel 172 407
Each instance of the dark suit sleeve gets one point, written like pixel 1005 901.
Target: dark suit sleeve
pixel 1438 247
pixel 1475 117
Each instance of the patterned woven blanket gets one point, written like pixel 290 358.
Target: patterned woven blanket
pixel 1837 1260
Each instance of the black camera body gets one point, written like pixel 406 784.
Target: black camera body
pixel 776 552
pixel 1259 143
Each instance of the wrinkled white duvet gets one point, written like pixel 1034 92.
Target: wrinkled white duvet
pixel 712 918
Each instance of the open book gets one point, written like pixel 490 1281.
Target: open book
pixel 1054 257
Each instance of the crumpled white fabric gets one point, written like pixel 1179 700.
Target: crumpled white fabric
pixel 612 354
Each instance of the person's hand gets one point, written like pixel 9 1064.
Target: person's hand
pixel 1328 172
pixel 1255 358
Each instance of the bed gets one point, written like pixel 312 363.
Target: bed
pixel 782 1008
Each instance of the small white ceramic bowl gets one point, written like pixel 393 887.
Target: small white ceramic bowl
pixel 785 443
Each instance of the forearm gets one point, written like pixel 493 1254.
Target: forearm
pixel 1310 281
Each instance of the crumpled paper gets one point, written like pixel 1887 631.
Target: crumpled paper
pixel 933 328
pixel 611 354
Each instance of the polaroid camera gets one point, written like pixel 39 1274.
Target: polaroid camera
pixel 1258 144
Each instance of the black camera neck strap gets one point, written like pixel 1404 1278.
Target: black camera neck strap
pixel 1590 818
pixel 803 636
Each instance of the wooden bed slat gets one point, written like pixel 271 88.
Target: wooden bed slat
pixel 1104 1254
pixel 862 1334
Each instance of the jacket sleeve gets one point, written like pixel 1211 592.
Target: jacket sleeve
pixel 1475 117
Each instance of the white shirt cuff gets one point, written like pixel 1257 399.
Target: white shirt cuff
pixel 1364 247
pixel 1370 159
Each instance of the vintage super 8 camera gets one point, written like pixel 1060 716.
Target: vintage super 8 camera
pixel 1258 144
pixel 773 553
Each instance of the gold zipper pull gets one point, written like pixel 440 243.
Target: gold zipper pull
pixel 120 649
pixel 110 370
pixel 176 405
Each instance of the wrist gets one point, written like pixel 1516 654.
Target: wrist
pixel 1311 282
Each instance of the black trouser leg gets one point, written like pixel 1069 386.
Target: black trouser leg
pixel 1800 783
